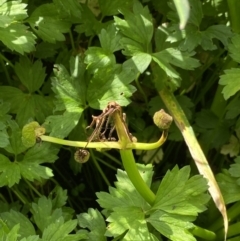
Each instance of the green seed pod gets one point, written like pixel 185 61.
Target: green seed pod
pixel 28 134
pixel 162 120
pixel 81 155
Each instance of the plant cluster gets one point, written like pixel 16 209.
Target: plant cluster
pixel 64 61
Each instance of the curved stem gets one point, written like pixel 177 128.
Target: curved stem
pixel 136 179
pixel 107 144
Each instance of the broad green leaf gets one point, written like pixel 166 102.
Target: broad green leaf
pixel 70 99
pixel 15 138
pixel 30 165
pixel 110 39
pixel 32 75
pixel 46 50
pixel 234 48
pixel 112 7
pixel 12 218
pixel 4 138
pixel 191 37
pixel 31 238
pixel 26 106
pixel 17 37
pixel 98 58
pixel 9 172
pixel 142 61
pixel 232 148
pixel 59 231
pixel 234 170
pixel 175 57
pixel 60 197
pixel 130 220
pixel 229 187
pixel 94 221
pixel 230 80
pixel 187 197
pixel 4 117
pixel 137 27
pixel 112 83
pixel 13 96
pixel 174 227
pixel 44 215
pixel 48 23
pixel 183 10
pixel 12 235
pixel 14 9
pixel 70 8
pixel 67 90
pixel 125 194
pixel 214 133
pixel 89 23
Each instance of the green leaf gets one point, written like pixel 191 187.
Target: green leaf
pixel 26 106
pixel 32 75
pixel 142 61
pixel 234 48
pixel 137 27
pixel 187 196
pixel 229 187
pixel 70 99
pixel 9 172
pixel 48 23
pixel 71 9
pixel 235 168
pixel 44 215
pixel 17 37
pixel 94 221
pixel 31 238
pixel 130 220
pixel 15 146
pixel 125 194
pixel 112 83
pixel 58 231
pixel 179 199
pixel 60 197
pixel 12 235
pixel 214 133
pixel 174 227
pixel 230 80
pixel 98 58
pixel 30 165
pixel 14 9
pixel 110 39
pixel 12 218
pixel 4 118
pixel 112 7
pixel 89 23
pixel 175 57
pixel 232 148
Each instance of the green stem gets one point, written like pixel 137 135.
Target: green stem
pixel 233 212
pixel 107 144
pixel 203 233
pixel 133 174
pixel 234 6
pixel 233 230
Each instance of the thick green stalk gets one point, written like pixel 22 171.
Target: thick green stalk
pixel 136 179
pixel 234 6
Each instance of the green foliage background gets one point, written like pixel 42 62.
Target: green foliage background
pixel 61 62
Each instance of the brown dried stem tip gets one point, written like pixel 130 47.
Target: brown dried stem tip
pixel 162 120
